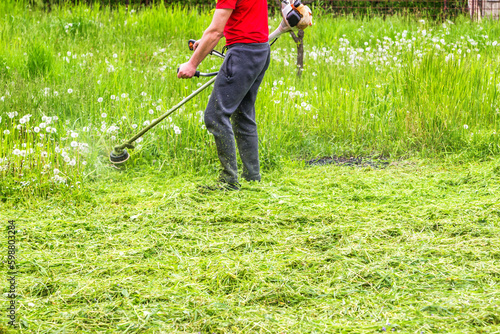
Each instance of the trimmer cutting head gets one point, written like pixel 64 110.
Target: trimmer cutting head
pixel 119 156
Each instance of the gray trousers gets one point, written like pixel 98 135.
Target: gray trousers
pixel 230 113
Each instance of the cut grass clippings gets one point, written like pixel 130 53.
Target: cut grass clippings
pixel 328 249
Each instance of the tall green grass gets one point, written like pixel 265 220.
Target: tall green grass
pixel 62 63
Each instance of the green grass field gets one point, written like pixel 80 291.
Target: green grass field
pixel 326 249
pixel 410 245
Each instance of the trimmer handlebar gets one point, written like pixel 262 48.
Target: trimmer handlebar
pixel 200 74
pixel 191 44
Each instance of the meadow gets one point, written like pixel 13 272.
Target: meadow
pixel 408 243
pixel 77 81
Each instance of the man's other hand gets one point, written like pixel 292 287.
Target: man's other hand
pixel 195 45
pixel 186 71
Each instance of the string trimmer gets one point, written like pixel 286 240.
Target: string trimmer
pixel 295 15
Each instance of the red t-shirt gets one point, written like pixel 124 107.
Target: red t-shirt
pixel 248 23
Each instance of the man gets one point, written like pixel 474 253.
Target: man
pixel 230 113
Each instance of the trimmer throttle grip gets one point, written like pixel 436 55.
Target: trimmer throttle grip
pixel 196 74
pixel 191 44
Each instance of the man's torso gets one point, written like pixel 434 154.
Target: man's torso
pixel 248 23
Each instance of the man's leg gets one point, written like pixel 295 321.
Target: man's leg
pixel 240 70
pixel 245 130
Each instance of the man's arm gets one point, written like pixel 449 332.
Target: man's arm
pixel 207 43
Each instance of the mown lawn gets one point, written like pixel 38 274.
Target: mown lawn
pixel 412 247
